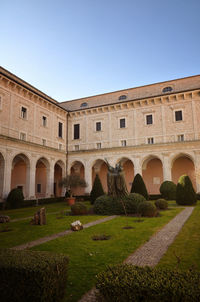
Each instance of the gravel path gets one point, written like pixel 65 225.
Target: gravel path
pixel 64 233
pixel 153 250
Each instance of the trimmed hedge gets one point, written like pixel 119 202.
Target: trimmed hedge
pixel 131 283
pixel 32 276
pixel 132 202
pixel 168 190
pixel 79 208
pixel 161 204
pixel 138 186
pixel 108 205
pixel 147 209
pixel 97 189
pixel 15 199
pixel 32 202
pixel 185 194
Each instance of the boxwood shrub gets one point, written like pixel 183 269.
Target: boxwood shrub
pixel 131 283
pixel 185 194
pixel 147 209
pixel 79 208
pixel 132 202
pixel 32 276
pixel 168 190
pixel 161 204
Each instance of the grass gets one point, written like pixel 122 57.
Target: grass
pixel 89 257
pixel 184 253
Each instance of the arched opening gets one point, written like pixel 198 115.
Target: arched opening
pixel 183 165
pixel 58 175
pixel 2 167
pixel 41 178
pixel 78 168
pixel 20 174
pixel 152 173
pixel 99 167
pixel 128 168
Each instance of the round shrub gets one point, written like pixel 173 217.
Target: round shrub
pixel 185 194
pixel 15 198
pixel 132 202
pixel 97 189
pixel 168 190
pixel 107 205
pixel 79 208
pixel 161 204
pixel 138 186
pixel 147 209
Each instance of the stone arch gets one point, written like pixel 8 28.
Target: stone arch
pixel 181 164
pixel 152 173
pixel 128 167
pixel 42 177
pixel 77 167
pixel 2 169
pixel 99 167
pixel 59 169
pixel 20 174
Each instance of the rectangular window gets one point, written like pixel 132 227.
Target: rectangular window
pixel 60 146
pixel 149 119
pixel 122 122
pixel 150 140
pixel 22 136
pixel 98 126
pixel 44 142
pixel 23 113
pixel 178 115
pixel 181 138
pixel 98 145
pixel 60 128
pixel 39 188
pixel 76 147
pixel 76 131
pixel 123 143
pixel 44 121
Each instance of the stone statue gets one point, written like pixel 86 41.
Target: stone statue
pixel 116 181
pixel 39 217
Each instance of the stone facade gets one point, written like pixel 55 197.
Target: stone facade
pixel 152 130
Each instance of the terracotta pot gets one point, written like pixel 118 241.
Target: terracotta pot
pixel 70 200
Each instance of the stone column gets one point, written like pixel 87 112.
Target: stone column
pixel 31 189
pixel 197 170
pixel 50 180
pixel 88 177
pixel 137 166
pixel 167 169
pixel 7 177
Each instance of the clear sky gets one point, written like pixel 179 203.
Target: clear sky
pixel 76 48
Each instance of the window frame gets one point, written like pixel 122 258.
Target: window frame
pixel 150 140
pixel 44 124
pixel 152 120
pixel 99 146
pixel 60 130
pixel 96 128
pixel 79 131
pixel 123 143
pixel 22 116
pixel 25 135
pixel 120 119
pixel 180 138
pixel 177 110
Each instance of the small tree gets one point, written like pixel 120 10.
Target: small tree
pixel 138 186
pixel 15 198
pixel 73 181
pixel 185 194
pixel 168 190
pixel 97 189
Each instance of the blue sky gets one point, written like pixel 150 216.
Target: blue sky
pixel 76 48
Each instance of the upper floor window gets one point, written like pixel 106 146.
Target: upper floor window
pixel 98 126
pixel 150 140
pixel 180 138
pixel 60 129
pixel 44 142
pixel 98 145
pixel 23 112
pixel 167 89
pixel 149 119
pixel 122 123
pixel 22 136
pixel 44 121
pixel 60 146
pixel 76 147
pixel 122 97
pixel 178 115
pixel 84 105
pixel 123 143
pixel 76 131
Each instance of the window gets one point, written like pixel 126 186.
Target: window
pixel 167 89
pixel 98 145
pixel 122 123
pixel 178 115
pixel 123 143
pixel 149 119
pixel 44 142
pixel 60 146
pixel 39 188
pixel 22 136
pixel 44 121
pixel 23 113
pixel 150 140
pixel 98 126
pixel 76 147
pixel 84 105
pixel 60 128
pixel 180 138
pixel 122 97
pixel 76 131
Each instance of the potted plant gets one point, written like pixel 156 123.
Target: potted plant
pixel 71 182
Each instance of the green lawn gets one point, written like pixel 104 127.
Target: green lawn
pixel 184 253
pixel 88 257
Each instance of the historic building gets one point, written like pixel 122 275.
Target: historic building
pixel 152 130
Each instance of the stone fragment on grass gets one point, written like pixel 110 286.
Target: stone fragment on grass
pixel 76 226
pixel 4 218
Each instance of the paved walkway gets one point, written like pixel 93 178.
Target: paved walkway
pixel 64 233
pixel 153 250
